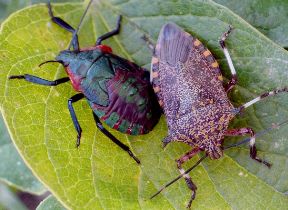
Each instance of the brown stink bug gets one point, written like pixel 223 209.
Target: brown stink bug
pixel 189 86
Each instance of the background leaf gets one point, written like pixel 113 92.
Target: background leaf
pixel 9 6
pixel 269 16
pixel 13 170
pixel 99 175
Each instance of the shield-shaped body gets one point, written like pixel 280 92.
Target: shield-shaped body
pixel 188 84
pixel 118 90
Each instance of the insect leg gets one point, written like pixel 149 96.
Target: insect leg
pixel 187 177
pixel 233 80
pixel 262 96
pixel 40 81
pixel 253 150
pixel 66 26
pixel 73 99
pixel 149 43
pixel 110 33
pixel 113 138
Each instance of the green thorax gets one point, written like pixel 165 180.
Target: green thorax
pixel 91 69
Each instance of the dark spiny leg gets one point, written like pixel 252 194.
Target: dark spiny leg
pixel 233 80
pixel 187 177
pixel 66 26
pixel 253 150
pixel 111 33
pixel 73 99
pixel 264 95
pixel 40 81
pixel 113 138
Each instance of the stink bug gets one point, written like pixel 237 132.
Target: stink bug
pixel 117 90
pixel 189 87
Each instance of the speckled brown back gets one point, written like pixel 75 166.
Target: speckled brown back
pixel 188 84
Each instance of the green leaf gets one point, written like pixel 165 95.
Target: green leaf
pixel 4 135
pixel 9 6
pixel 13 170
pixel 50 203
pixel 99 175
pixel 269 16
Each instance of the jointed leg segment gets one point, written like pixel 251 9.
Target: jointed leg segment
pixel 40 81
pixel 110 33
pixel 187 178
pixel 235 132
pixel 72 100
pixel 253 150
pixel 233 80
pixel 149 43
pixel 262 96
pixel 113 138
pixel 63 24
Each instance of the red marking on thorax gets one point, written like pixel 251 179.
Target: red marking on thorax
pixel 75 79
pixel 103 48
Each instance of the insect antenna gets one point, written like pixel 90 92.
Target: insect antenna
pixel 51 61
pixel 261 133
pixel 78 27
pixel 180 176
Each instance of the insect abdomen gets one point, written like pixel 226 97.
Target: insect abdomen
pixel 133 107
